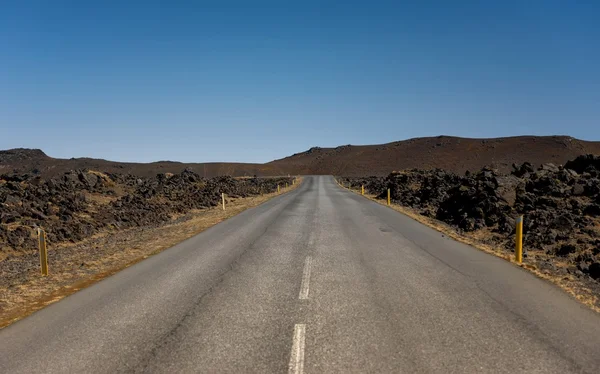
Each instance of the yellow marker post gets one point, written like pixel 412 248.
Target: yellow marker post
pixel 362 189
pixel 223 198
pixel 278 189
pixel 43 251
pixel 519 241
pixel 286 185
pixel 389 200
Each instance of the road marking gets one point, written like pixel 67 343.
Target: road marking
pixel 304 286
pixel 297 356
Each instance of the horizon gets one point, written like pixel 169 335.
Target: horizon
pixel 255 83
pixel 291 154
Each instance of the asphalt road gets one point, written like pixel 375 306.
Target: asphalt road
pixel 318 280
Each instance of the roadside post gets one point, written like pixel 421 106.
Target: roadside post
pixel 278 189
pixel 388 198
pixel 223 198
pixel 519 240
pixel 286 185
pixel 43 250
pixel 362 189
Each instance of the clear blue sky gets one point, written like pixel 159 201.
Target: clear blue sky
pixel 254 81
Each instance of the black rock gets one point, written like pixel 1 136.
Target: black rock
pixel 583 266
pixel 583 163
pixel 578 189
pixel 9 217
pixel 592 187
pixel 592 210
pixel 12 200
pixel 564 222
pixel 523 170
pixel 88 179
pixel 594 270
pixel 565 250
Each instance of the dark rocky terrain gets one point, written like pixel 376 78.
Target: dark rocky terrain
pixel 560 204
pixel 77 198
pixel 81 203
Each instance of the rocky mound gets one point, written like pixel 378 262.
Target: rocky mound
pixel 561 205
pixel 82 203
pixel 21 155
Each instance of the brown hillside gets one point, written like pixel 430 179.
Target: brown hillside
pixel 445 152
pixel 35 161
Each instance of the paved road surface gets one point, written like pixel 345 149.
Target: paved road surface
pixel 319 281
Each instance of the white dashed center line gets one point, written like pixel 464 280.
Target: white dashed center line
pixel 297 356
pixel 304 286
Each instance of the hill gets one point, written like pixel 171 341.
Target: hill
pixel 35 161
pixel 444 152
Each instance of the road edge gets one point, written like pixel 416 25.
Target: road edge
pixel 447 230
pixel 67 290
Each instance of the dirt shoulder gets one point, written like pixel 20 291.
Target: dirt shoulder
pixel 584 290
pixel 76 266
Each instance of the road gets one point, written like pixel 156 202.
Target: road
pixel 319 280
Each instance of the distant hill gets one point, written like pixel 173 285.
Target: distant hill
pixel 37 162
pixel 445 152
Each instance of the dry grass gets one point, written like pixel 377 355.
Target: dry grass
pixel 82 264
pixel 100 199
pixel 99 174
pixel 107 180
pixel 478 240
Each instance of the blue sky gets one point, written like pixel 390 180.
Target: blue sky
pixel 253 81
